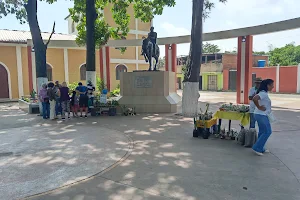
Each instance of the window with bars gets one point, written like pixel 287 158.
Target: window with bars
pixel 83 72
pixel 119 69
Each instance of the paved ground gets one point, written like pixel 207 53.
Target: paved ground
pixel 44 156
pixel 167 163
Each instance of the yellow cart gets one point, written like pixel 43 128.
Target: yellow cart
pixel 202 127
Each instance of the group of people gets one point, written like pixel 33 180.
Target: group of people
pixel 56 99
pixel 260 112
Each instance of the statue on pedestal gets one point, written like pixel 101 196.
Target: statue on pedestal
pixel 150 48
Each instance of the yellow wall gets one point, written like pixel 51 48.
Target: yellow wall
pixel 25 70
pixel 108 16
pixel 143 26
pixel 9 58
pixel 55 57
pixel 128 54
pixel 75 58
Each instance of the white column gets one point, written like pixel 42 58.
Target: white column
pixel 66 65
pixel 20 72
pixel 298 78
pixel 277 77
pixel 104 64
pixel 243 65
pixel 169 59
pixel 33 71
pixel 136 48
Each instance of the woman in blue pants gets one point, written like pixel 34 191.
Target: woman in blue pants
pixel 261 113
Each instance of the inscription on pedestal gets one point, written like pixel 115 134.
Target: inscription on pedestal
pixel 143 82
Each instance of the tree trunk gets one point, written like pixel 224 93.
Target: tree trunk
pixel 191 84
pixel 91 16
pixel 39 47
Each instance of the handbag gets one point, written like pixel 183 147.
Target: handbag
pixel 271 117
pixel 241 137
pixel 250 137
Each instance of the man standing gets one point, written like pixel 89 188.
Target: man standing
pixel 252 93
pixel 153 37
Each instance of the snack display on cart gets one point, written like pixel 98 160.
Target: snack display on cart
pixel 234 108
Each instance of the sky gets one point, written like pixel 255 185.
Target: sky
pixel 176 21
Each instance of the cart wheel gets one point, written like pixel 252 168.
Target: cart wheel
pixel 205 134
pixel 195 133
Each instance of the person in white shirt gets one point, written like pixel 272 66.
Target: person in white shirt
pixel 252 93
pixel 262 112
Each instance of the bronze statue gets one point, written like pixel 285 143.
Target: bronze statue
pixel 150 48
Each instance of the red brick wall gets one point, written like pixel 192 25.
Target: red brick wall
pixel 225 79
pixel 266 72
pixel 256 58
pixel 229 61
pixel 288 79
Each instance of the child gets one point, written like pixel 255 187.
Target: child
pixel 75 103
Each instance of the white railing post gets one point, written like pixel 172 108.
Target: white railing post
pixel 277 77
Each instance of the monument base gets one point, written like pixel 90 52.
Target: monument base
pixel 149 91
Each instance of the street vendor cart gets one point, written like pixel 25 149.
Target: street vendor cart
pixel 233 112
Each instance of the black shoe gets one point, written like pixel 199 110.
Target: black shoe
pixel 85 116
pixel 80 116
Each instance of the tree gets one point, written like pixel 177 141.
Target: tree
pixel 201 10
pixel 210 48
pixel 85 19
pixel 26 11
pixel 261 53
pixel 161 63
pixel 285 56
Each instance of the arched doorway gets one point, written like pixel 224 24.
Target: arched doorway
pixel 120 68
pixel 49 72
pixel 83 72
pixel 4 89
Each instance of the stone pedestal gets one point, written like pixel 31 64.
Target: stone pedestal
pixel 149 91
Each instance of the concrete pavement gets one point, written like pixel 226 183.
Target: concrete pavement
pixel 168 163
pixel 48 155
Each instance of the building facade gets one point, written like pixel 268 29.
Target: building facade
pixel 214 70
pixel 65 60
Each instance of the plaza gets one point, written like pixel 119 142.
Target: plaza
pixel 148 156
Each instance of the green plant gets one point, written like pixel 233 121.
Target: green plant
pixel 72 87
pixel 100 84
pixel 32 94
pixel 116 91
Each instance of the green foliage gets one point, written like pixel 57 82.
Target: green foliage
pixel 184 71
pixel 100 84
pixel 261 53
pixel 210 48
pixel 144 10
pixel 116 91
pixel 285 56
pixel 72 87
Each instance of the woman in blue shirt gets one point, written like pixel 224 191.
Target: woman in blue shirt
pixel 261 113
pixel 83 98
